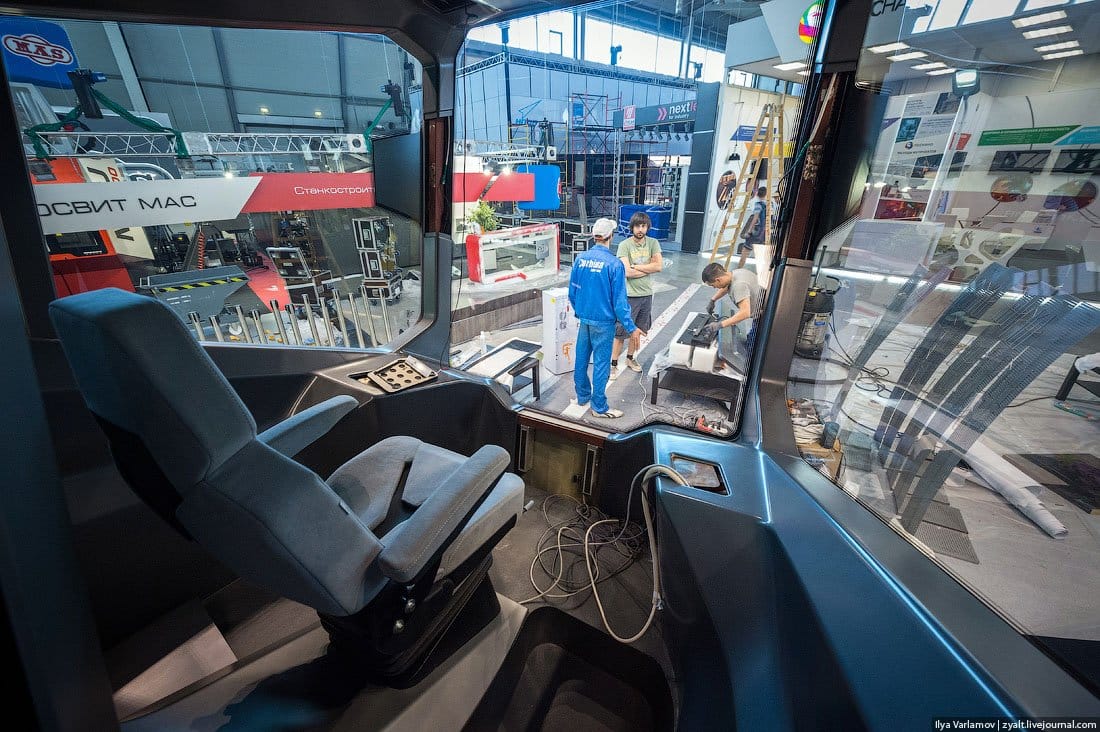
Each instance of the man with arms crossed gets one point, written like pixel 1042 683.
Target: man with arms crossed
pixel 641 255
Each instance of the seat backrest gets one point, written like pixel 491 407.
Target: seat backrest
pixel 186 444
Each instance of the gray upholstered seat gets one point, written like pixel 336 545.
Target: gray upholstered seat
pixel 399 514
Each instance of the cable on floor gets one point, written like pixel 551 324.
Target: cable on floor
pixel 584 534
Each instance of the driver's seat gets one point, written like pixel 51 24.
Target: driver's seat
pixel 387 551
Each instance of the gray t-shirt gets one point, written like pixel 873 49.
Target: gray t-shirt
pixel 743 283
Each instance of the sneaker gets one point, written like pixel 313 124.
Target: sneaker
pixel 614 373
pixel 633 365
pixel 609 414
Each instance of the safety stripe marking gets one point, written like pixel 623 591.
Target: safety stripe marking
pixel 669 313
pixel 208 283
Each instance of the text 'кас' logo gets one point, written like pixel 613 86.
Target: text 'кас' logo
pixel 38 49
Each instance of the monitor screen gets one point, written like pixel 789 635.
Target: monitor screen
pixel 78 244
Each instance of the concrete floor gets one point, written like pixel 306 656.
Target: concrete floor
pixel 1042 585
pixel 630 392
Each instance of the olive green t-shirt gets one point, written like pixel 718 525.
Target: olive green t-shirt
pixel 642 254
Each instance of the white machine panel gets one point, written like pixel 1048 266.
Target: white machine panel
pixel 559 331
pixel 697 358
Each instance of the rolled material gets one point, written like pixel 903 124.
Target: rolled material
pixel 1015 486
pixel 1084 363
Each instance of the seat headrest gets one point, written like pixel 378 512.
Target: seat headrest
pixel 139 368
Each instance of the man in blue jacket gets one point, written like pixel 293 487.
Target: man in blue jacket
pixel 597 292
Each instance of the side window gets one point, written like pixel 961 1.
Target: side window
pixel 577 134
pixel 226 172
pixel 946 361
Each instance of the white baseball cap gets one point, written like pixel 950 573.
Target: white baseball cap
pixel 604 228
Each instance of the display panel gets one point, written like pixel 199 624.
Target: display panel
pixel 1075 162
pixel 1019 161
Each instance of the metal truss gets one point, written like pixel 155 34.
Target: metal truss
pixel 163 144
pixel 500 152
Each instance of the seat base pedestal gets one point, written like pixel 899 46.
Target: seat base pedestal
pixel 470 607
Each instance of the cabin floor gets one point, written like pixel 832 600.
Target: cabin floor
pixel 259 656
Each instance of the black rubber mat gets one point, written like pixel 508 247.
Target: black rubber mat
pixel 562 674
pixel 947 541
pixel 1075 476
pixel 946 516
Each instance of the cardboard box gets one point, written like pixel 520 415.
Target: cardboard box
pixel 833 457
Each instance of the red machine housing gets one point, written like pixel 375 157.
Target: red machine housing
pixel 86 260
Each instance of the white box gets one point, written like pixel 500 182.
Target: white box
pixel 559 331
pixel 697 359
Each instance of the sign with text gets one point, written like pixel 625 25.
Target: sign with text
pixel 629 115
pixel 661 114
pixel 37 52
pixel 1024 135
pixel 70 207
pixel 311 191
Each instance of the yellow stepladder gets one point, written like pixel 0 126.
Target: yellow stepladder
pixel 767 144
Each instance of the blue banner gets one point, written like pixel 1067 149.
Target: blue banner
pixel 1082 136
pixel 745 133
pixel 37 52
pixel 547 183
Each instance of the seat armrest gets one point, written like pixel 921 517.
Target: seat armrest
pixel 411 545
pixel 300 430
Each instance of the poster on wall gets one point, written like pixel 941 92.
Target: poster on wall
pixel 727 186
pixel 921 136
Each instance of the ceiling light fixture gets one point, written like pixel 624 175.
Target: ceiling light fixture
pixel 932 65
pixel 966 82
pixel 1038 19
pixel 803 73
pixel 888 48
pixel 1062 54
pixel 1052 47
pixel 790 66
pixel 1056 30
pixel 941 72
pixel 908 56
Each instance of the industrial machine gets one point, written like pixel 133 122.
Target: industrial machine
pixel 87 260
pixel 817 317
pixel 692 347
